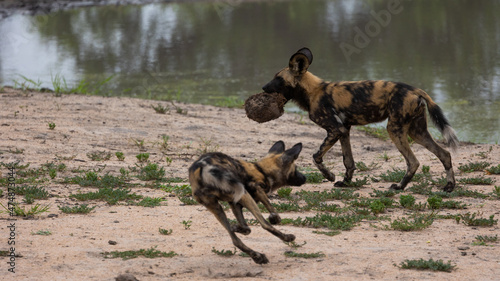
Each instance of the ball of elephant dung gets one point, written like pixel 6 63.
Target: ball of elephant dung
pixel 263 107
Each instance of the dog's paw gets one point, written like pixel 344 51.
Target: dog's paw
pixel 395 186
pixel 245 230
pixel 259 258
pixel 274 218
pixel 289 237
pixel 340 184
pixel 449 187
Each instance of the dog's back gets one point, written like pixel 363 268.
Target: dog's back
pixel 216 174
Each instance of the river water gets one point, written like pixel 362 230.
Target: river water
pixel 211 52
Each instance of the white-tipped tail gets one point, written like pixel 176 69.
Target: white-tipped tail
pixel 450 137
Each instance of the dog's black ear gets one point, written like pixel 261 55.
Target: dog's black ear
pixel 278 147
pixel 307 53
pixel 300 61
pixel 292 154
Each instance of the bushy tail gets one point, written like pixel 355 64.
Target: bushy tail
pixel 441 122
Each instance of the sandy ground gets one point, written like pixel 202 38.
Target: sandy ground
pixel 85 124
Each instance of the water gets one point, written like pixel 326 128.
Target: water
pixel 218 51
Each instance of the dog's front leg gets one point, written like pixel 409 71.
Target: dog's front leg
pixel 261 196
pixel 242 226
pixel 329 141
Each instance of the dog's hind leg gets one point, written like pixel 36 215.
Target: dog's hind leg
pixel 329 141
pixel 419 133
pixel 348 160
pixel 242 226
pixel 248 202
pixel 398 134
pixel 215 208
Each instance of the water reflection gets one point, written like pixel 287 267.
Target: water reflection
pixel 203 52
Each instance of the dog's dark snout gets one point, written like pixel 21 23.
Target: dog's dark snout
pixel 297 179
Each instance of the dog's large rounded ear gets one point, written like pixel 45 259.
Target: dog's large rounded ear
pixel 300 61
pixel 278 147
pixel 292 154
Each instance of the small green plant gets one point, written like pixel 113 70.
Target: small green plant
pixel 142 157
pixel 99 155
pixel 150 202
pixel 52 125
pixel 224 253
pixel 407 201
pixel 284 192
pixel 23 212
pixel 207 145
pixel 314 177
pixel 292 254
pixel 120 156
pixel 426 169
pixel 483 240
pixel 81 209
pixel 168 160
pixel 42 232
pixel 496 191
pixel 377 207
pixel 471 220
pixel 147 253
pixel 164 142
pixel 160 109
pixel 435 202
pixel 328 233
pixel 361 166
pixel 165 231
pixel 419 222
pixel 187 224
pixel 151 171
pixel 477 181
pixel 473 167
pixel 422 264
pixel 110 195
pixel 495 170
pixel 294 245
pixel 52 173
pixel 139 143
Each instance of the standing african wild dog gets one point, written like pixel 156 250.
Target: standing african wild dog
pixel 217 177
pixel 336 106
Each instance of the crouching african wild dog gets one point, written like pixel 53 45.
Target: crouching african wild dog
pixel 336 106
pixel 217 177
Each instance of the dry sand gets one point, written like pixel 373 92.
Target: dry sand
pixel 84 124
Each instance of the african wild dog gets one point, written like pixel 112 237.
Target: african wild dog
pixel 336 106
pixel 217 177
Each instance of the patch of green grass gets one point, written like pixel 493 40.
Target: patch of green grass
pixel 483 240
pixel 314 177
pixel 496 192
pixel 147 253
pixel 23 212
pixel 206 146
pixel 362 167
pixel 160 109
pixel 292 254
pixel 384 193
pixel 476 181
pixel 435 202
pixel 120 156
pixel 151 171
pixel 333 222
pixel 31 193
pixel 495 170
pixel 52 125
pixel 92 178
pixel 377 207
pixel 284 192
pixel 407 201
pixel 42 232
pixel 111 196
pixel 474 167
pixel 99 155
pixel 328 233
pixel 430 264
pixel 224 253
pixel 186 200
pixel 357 182
pixel 419 222
pixel 187 224
pixel 472 220
pixel 325 195
pixel 286 207
pixel 396 175
pixel 165 231
pixel 81 209
pixel 452 204
pixel 150 202
pixel 142 157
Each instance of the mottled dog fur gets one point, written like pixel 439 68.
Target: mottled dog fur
pixel 217 177
pixel 336 106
